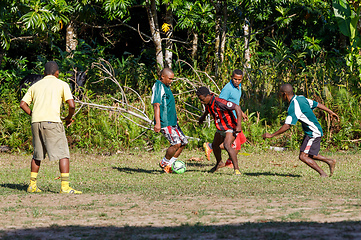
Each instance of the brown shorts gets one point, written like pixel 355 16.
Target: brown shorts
pixel 49 137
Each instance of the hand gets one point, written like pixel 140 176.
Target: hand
pixel 201 120
pixel 267 135
pixel 245 117
pixel 157 128
pixel 68 121
pixel 335 116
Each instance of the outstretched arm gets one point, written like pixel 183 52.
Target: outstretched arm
pixel 283 129
pixel 324 108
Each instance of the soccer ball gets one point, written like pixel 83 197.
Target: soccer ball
pixel 179 167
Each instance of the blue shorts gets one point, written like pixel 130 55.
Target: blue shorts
pixel 311 145
pixel 174 135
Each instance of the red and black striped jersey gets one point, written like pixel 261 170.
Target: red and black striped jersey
pixel 222 112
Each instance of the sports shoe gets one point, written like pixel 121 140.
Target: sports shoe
pixel 163 164
pixel 207 150
pixel 229 163
pixel 167 169
pixel 237 172
pixel 33 189
pixel 70 191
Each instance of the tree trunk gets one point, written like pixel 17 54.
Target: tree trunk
pixel 169 44
pixel 194 45
pixel 247 54
pixel 221 30
pixel 71 41
pixel 154 29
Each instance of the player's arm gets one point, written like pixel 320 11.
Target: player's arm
pixel 202 118
pixel 324 108
pixel 24 106
pixel 283 129
pixel 239 115
pixel 157 125
pixel 68 119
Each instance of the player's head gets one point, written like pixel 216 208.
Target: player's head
pixel 237 77
pixel 286 90
pixel 51 68
pixel 204 95
pixel 166 76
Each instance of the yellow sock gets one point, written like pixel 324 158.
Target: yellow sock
pixel 64 180
pixel 33 177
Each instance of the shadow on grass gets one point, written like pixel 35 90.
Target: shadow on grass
pixel 137 170
pixel 271 174
pixel 24 187
pixel 21 187
pixel 266 230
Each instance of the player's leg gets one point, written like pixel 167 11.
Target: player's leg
pixel 311 163
pixel 228 141
pixel 331 162
pixel 183 140
pixel 38 155
pixel 217 141
pixel 309 148
pixel 58 150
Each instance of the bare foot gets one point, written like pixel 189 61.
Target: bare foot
pixel 323 175
pixel 332 165
pixel 218 166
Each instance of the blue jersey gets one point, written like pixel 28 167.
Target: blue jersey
pixel 231 94
pixel 301 109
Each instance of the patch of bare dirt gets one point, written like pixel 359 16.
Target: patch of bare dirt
pixel 55 216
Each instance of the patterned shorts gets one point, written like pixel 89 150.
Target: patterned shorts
pixel 311 145
pixel 174 135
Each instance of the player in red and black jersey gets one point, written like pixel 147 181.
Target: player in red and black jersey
pixel 227 125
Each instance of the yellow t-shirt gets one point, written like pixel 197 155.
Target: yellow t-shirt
pixel 47 95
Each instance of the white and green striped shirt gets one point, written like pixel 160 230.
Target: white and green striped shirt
pixel 301 109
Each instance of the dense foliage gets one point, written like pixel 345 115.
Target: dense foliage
pixel 312 44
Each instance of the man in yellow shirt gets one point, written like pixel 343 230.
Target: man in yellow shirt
pixel 47 129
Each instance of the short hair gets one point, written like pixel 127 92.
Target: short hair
pixel 166 71
pixel 203 91
pixel 237 72
pixel 51 68
pixel 287 88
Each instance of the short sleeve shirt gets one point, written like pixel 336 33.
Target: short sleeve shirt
pixel 301 109
pixel 47 96
pixel 221 110
pixel 164 96
pixel 231 93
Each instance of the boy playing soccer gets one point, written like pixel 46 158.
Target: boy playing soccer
pixel 165 118
pixel 301 109
pixel 227 126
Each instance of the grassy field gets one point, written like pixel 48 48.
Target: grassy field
pixel 127 196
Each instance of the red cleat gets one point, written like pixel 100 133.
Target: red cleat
pixel 229 163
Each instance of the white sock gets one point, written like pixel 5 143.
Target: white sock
pixel 172 160
pixel 164 162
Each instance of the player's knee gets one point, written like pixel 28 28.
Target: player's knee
pixel 178 145
pixel 227 146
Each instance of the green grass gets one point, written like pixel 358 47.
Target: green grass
pixel 276 196
pixel 265 173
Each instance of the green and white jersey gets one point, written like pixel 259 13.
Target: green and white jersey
pixel 301 109
pixel 164 96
